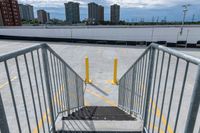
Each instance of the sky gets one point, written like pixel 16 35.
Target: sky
pixel 131 10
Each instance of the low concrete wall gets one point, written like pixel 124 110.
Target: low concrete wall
pixel 116 33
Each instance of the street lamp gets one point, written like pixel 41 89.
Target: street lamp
pixel 185 9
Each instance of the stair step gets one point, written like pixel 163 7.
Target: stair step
pixel 99 119
pixel 99 113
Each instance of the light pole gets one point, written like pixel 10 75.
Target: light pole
pixel 185 9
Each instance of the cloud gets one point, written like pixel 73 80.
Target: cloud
pixel 122 3
pixel 151 3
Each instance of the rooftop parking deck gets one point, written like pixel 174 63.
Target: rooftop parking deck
pixel 101 92
pixel 101 64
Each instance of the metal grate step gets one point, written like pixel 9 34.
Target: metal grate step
pixel 99 113
pixel 100 120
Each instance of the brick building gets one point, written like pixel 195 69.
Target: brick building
pixel 10 12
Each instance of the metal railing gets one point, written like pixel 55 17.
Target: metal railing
pixel 40 86
pixel 162 88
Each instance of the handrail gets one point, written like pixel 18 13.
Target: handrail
pixel 58 56
pixel 177 53
pixel 16 53
pixel 136 60
pixel 145 88
pixel 53 86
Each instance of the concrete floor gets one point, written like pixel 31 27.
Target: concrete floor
pixel 101 92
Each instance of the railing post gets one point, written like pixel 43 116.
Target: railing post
pixel 149 80
pixel 46 75
pixel 77 92
pixel 194 105
pixel 67 90
pixel 3 121
pixel 132 90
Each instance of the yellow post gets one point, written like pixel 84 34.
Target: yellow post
pixel 115 82
pixel 87 78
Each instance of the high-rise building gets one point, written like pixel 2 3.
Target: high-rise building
pixel 10 12
pixel 101 13
pixel 26 12
pixel 22 11
pixel 115 14
pixel 31 12
pixel 42 16
pixel 48 17
pixel 1 19
pixel 95 12
pixel 72 12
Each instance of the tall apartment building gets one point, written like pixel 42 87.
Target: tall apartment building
pixel 115 14
pixel 42 16
pixel 26 12
pixel 10 12
pixel 1 19
pixel 72 12
pixel 95 12
pixel 48 17
pixel 101 13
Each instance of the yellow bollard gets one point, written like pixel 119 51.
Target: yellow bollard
pixel 87 78
pixel 114 81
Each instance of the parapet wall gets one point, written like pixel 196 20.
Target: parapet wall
pixel 116 33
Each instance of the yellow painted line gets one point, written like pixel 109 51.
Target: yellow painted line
pixel 6 83
pixel 109 81
pixel 107 90
pixel 45 115
pixel 156 128
pixel 109 102
pixel 112 82
pixel 163 119
pixel 56 97
pixel 105 99
pixel 87 103
pixel 158 113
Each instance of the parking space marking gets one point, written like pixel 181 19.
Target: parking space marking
pixel 156 128
pixel 107 90
pixel 105 99
pixel 46 114
pixel 57 100
pixel 6 83
pixel 158 113
pixel 87 103
pixel 163 119
pixel 109 102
